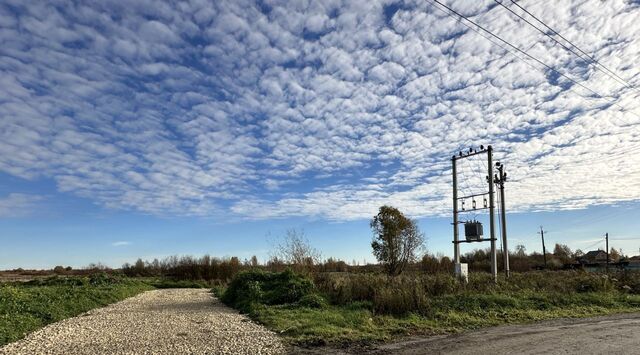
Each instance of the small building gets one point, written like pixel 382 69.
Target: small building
pixel 632 263
pixel 595 260
pixel 594 257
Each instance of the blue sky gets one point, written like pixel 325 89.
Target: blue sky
pixel 161 128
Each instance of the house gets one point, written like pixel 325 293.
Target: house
pixel 594 257
pixel 632 263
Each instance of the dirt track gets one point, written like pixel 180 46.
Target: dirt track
pixel 617 334
pixel 175 321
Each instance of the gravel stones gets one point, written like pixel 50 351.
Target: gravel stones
pixel 170 321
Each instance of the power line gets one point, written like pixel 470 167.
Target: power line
pixel 452 11
pixel 515 47
pixel 594 244
pixel 593 60
pixel 590 59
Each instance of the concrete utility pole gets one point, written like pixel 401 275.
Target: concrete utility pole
pixel 492 227
pixel 606 238
pixel 544 251
pixel 456 244
pixel 501 178
pixel 474 226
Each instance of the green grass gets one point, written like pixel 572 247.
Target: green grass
pixel 25 307
pixel 344 308
pixel 356 323
pixel 159 282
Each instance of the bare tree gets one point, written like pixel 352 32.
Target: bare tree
pixel 396 239
pixel 294 249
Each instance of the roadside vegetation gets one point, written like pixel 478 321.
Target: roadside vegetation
pixel 27 306
pixel 339 308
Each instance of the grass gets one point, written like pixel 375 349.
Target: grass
pixel 25 307
pixel 357 323
pixel 372 308
pixel 160 282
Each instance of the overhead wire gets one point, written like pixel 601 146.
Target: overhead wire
pixel 593 60
pixel 451 13
pixel 589 59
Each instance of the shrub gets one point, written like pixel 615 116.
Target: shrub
pixel 312 300
pixel 102 279
pixel 259 287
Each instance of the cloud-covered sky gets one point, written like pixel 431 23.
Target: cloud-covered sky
pixel 322 109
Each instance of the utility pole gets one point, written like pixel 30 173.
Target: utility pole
pixel 544 251
pixel 500 178
pixel 492 227
pixel 606 238
pixel 473 229
pixel 456 245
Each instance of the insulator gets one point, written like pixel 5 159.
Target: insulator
pixel 474 204
pixel 463 205
pixel 460 153
pixel 481 147
pixel 485 202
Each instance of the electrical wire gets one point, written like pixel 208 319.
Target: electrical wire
pixel 460 16
pixel 593 60
pixel 588 59
pixel 594 244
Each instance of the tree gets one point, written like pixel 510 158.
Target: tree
pixel 396 239
pixel 614 255
pixel 295 250
pixel 563 252
pixel 254 261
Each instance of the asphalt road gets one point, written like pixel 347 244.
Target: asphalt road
pixel 617 334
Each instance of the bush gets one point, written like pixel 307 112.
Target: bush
pixel 258 287
pixel 312 300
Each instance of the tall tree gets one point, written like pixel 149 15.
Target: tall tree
pixel 563 252
pixel 396 239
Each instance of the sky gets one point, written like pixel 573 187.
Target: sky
pixel 154 128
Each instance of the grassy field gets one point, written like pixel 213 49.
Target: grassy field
pixel 25 307
pixel 364 308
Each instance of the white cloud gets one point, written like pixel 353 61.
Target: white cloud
pixel 19 205
pixel 120 244
pixel 293 109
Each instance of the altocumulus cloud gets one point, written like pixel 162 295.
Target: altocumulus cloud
pixel 19 205
pixel 321 108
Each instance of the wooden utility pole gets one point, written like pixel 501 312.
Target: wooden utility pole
pixel 501 177
pixel 544 250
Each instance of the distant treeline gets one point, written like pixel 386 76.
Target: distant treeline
pixel 223 269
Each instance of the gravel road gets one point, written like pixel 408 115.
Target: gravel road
pixel 172 321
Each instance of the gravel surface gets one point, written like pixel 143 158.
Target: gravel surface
pixel 171 321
